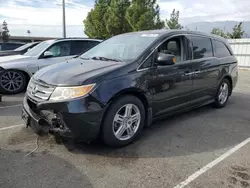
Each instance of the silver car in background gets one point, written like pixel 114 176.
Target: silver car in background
pixel 16 70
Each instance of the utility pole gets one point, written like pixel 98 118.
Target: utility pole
pixel 64 22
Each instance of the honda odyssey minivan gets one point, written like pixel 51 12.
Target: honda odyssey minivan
pixel 123 84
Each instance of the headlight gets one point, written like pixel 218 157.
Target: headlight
pixel 63 93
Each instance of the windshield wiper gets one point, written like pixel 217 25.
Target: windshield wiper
pixel 105 59
pixel 76 56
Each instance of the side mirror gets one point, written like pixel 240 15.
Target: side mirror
pixel 47 54
pixel 165 59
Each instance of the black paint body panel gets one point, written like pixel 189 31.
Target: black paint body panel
pixel 164 90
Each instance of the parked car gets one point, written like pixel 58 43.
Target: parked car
pixel 17 69
pixel 123 84
pixel 20 50
pixel 9 45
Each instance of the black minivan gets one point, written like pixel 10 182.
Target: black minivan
pixel 121 85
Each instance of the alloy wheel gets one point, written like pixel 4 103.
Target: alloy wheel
pixel 126 122
pixel 11 81
pixel 223 93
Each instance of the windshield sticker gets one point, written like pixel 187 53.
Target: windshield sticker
pixel 149 35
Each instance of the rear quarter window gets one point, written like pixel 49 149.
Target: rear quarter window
pixel 81 46
pixel 220 49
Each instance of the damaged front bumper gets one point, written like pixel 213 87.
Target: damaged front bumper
pixel 44 122
pixel 80 119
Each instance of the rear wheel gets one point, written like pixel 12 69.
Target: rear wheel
pixel 12 82
pixel 222 94
pixel 123 122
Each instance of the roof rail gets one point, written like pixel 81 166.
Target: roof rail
pixel 77 38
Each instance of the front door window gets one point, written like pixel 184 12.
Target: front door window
pixel 172 46
pixel 60 49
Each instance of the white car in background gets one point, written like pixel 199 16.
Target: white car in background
pixel 16 70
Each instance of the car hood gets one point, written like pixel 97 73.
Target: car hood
pixel 13 59
pixel 75 71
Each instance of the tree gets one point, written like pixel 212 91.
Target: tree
pixel 112 17
pixel 220 32
pixel 173 22
pixel 144 15
pixel 95 22
pixel 5 32
pixel 237 32
pixel 116 21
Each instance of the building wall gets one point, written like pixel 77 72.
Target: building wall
pixel 241 49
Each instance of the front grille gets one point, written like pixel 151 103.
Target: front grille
pixel 38 91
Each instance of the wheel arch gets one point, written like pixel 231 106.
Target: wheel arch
pixel 134 92
pixel 229 78
pixel 26 74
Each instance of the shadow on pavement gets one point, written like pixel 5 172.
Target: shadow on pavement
pixel 9 100
pixel 202 130
pixel 38 170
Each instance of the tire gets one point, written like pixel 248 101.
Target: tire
pixel 133 122
pixel 18 84
pixel 221 101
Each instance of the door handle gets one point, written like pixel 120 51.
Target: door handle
pixel 188 73
pixel 197 72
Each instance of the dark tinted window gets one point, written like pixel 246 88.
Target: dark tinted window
pixel 10 46
pixel 202 47
pixel 148 63
pixel 79 47
pixel 93 43
pixel 220 50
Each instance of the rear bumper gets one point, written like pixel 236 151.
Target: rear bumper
pixel 79 118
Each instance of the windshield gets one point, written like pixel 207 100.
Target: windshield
pixel 24 47
pixel 123 47
pixel 39 48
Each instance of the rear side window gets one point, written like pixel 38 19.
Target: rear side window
pixel 79 47
pixel 220 49
pixel 93 43
pixel 201 46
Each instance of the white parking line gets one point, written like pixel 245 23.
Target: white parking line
pixel 10 106
pixel 212 164
pixel 11 127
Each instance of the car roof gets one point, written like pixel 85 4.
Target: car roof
pixel 163 32
pixel 78 38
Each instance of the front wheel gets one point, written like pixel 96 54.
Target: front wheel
pixel 123 122
pixel 222 94
pixel 12 82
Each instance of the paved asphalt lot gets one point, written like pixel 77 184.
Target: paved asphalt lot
pixel 165 155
